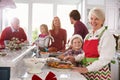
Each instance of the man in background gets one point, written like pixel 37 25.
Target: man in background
pixel 12 31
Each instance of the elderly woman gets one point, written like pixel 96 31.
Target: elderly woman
pixel 99 48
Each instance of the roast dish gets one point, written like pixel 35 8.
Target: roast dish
pixel 59 64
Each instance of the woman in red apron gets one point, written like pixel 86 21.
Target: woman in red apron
pixel 99 49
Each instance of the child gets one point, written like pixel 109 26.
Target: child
pixel 44 38
pixel 76 48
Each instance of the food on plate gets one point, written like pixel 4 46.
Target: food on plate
pixel 60 64
pixel 52 49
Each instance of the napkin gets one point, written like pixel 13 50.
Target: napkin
pixel 50 76
pixel 35 77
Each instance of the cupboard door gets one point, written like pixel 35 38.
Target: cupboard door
pixel 4 73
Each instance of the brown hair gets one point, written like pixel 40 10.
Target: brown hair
pixel 75 15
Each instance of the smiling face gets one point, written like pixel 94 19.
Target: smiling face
pixel 76 43
pixel 95 22
pixel 96 18
pixel 56 22
pixel 15 23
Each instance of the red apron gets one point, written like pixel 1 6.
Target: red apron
pixel 90 48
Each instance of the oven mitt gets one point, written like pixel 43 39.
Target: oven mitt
pixel 50 76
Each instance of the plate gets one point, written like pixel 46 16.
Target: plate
pixel 60 64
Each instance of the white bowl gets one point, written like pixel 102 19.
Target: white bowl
pixel 45 55
pixel 34 65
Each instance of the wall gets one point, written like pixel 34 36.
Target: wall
pixel 0 20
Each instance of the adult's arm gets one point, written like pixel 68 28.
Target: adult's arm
pixel 106 51
pixel 3 36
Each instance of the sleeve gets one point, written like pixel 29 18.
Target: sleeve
pixel 3 36
pixel 47 40
pixel 79 28
pixel 106 51
pixel 79 57
pixel 24 37
pixel 64 39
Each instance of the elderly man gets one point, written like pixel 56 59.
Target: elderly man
pixel 12 31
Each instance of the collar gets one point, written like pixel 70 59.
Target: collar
pixel 42 35
pixel 96 33
pixel 13 30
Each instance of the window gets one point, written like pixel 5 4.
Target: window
pixel 63 12
pixel 42 14
pixel 21 11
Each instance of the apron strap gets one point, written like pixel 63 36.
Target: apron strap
pixel 102 32
pixel 87 37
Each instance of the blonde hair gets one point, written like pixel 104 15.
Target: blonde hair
pixel 45 26
pixel 99 13
pixel 53 26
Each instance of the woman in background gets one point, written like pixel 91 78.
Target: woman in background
pixel 59 35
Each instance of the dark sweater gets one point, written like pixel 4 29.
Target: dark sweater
pixel 81 29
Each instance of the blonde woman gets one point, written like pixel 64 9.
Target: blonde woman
pixel 99 48
pixel 59 35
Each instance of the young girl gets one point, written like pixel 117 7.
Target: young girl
pixel 76 48
pixel 44 38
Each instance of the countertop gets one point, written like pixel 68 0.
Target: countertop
pixel 61 74
pixel 12 57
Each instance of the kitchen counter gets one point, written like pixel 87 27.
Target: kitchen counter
pixel 13 59
pixel 61 74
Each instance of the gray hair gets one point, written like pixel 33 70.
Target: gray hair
pixel 15 20
pixel 99 13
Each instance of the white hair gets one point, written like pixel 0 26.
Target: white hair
pixel 98 12
pixel 15 19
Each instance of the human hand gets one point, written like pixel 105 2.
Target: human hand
pixel 80 69
pixel 69 58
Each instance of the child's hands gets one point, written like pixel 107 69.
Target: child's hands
pixel 69 58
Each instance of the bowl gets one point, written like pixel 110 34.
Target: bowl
pixel 34 65
pixel 44 54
